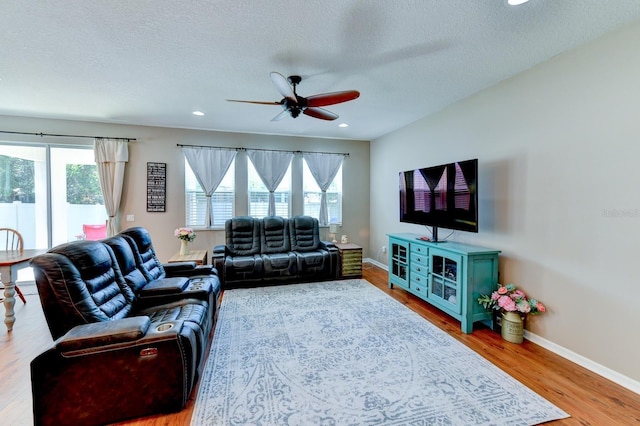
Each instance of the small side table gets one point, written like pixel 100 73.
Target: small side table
pixel 350 260
pixel 198 256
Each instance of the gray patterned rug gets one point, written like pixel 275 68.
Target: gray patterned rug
pixel 345 353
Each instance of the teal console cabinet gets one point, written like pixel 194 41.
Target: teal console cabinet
pixel 449 275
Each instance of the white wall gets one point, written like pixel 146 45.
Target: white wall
pixel 559 187
pixel 155 144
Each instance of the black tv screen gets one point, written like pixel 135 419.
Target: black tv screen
pixel 443 196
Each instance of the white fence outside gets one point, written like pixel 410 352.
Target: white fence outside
pixel 67 224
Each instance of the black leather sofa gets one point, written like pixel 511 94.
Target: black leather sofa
pixel 274 250
pixel 130 340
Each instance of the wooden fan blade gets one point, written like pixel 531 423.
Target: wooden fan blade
pixel 283 86
pixel 320 113
pixel 255 102
pixel 332 98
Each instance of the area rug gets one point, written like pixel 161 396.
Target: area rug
pixel 345 353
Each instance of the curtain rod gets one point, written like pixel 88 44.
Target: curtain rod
pixel 346 154
pixel 66 136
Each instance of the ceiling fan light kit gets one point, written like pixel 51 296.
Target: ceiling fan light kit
pixel 294 104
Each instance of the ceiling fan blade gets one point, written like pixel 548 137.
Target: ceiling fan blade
pixel 283 86
pixel 255 102
pixel 332 98
pixel 281 115
pixel 320 113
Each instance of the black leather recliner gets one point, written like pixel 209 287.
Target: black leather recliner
pixel 117 354
pixel 241 261
pixel 274 250
pixel 312 256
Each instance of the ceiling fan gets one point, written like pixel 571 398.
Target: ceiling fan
pixel 294 104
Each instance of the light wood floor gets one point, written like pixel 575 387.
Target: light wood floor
pixel 588 398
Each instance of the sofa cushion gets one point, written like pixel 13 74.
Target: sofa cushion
pixel 243 267
pixel 147 260
pixel 125 256
pixel 242 236
pixel 80 283
pixel 305 233
pixel 274 235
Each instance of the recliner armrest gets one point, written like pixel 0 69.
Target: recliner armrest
pixel 103 333
pixel 164 286
pixel 188 269
pixel 328 245
pixel 220 251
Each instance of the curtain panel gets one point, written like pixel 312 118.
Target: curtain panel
pixel 209 166
pixel 324 168
pixel 271 167
pixel 111 156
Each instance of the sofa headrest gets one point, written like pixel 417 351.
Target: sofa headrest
pixel 123 249
pixel 146 259
pixel 274 234
pixel 305 233
pixel 242 234
pixel 79 283
pixel 141 237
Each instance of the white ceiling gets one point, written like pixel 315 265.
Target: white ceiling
pixel 152 62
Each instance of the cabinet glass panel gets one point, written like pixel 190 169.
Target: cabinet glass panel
pixel 437 287
pixel 451 294
pixel 451 269
pixel 399 270
pixel 399 252
pixel 438 265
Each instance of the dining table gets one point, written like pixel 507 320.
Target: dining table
pixel 10 263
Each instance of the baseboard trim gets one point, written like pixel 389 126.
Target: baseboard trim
pixel 582 361
pixel 590 365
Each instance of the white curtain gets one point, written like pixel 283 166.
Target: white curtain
pixel 209 165
pixel 324 168
pixel 271 167
pixel 111 157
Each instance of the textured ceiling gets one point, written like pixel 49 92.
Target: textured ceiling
pixel 153 62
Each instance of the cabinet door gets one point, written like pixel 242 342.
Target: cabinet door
pixel 398 263
pixel 445 278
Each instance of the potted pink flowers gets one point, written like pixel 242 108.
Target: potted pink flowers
pixel 186 235
pixel 514 305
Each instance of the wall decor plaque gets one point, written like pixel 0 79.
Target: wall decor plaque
pixel 156 187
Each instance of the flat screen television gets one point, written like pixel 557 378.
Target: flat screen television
pixel 443 196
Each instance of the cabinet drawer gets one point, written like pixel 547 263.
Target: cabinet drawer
pixel 420 259
pixel 417 268
pixel 415 248
pixel 419 284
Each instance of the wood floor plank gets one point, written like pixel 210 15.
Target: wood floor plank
pixel 587 397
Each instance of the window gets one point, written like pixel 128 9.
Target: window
pixel 259 195
pixel 312 195
pixel 222 201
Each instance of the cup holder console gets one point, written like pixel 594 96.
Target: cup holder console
pixel 165 326
pixel 196 285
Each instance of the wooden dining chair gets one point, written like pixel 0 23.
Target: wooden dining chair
pixel 11 240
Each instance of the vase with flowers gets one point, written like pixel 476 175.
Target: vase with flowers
pixel 185 235
pixel 514 306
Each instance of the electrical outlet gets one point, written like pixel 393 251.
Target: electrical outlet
pixel 130 218
pixel 384 249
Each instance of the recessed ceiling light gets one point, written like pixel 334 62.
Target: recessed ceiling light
pixel 198 113
pixel 516 2
pixel 343 125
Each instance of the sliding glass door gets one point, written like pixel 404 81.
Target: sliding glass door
pixel 48 193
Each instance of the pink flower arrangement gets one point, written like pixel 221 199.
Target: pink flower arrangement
pixel 507 298
pixel 185 234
